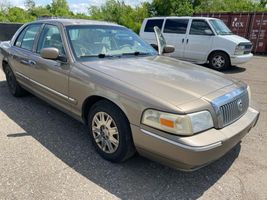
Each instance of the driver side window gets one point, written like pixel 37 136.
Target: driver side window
pixel 200 27
pixel 50 37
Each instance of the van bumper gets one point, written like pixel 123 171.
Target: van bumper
pixel 241 59
pixel 192 152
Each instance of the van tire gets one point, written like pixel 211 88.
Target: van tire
pixel 219 60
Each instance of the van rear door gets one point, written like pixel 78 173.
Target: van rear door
pixel 175 34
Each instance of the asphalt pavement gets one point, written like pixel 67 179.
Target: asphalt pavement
pixel 45 154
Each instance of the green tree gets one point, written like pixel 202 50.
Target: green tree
pixel 4 5
pixel 119 12
pixel 60 8
pixel 228 6
pixel 171 7
pixel 16 14
pixel 40 11
pixel 263 3
pixel 29 4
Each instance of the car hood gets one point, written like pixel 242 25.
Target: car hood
pixel 166 78
pixel 235 38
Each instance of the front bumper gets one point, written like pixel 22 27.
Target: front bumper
pixel 193 152
pixel 241 59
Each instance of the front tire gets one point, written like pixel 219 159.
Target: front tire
pixel 110 132
pixel 14 87
pixel 219 61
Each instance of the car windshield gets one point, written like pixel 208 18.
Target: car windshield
pixel 220 27
pixel 106 41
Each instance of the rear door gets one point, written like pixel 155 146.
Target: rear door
pixel 175 34
pixel 22 50
pixel 199 41
pixel 50 77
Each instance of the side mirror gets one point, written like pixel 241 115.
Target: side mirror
pixel 52 54
pixel 160 40
pixel 208 32
pixel 155 46
pixel 168 49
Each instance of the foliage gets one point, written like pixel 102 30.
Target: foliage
pixel 16 14
pixel 119 12
pixel 60 8
pixel 229 6
pixel 171 7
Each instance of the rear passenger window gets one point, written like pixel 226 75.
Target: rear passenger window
pixel 200 27
pixel 177 26
pixel 27 37
pixel 151 23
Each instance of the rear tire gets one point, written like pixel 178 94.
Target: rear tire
pixel 110 132
pixel 219 61
pixel 15 89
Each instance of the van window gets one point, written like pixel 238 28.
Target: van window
pixel 177 26
pixel 199 27
pixel 151 23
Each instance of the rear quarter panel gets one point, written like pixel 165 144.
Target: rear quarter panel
pixel 4 52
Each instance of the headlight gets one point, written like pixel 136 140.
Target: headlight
pixel 178 124
pixel 240 49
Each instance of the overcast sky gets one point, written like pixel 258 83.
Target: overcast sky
pixel 75 5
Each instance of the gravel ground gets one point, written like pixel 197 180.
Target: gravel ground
pixel 45 154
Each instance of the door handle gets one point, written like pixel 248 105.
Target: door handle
pixel 28 62
pixel 183 40
pixel 31 62
pixel 25 62
pixel 187 41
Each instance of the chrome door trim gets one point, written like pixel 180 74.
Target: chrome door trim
pixel 63 96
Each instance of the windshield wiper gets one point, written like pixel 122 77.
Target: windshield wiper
pixel 136 53
pixel 101 55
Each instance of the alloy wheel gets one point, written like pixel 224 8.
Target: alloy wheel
pixel 218 61
pixel 105 132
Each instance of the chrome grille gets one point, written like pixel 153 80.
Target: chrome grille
pixel 234 109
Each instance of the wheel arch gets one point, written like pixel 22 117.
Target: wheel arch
pixel 4 65
pixel 91 100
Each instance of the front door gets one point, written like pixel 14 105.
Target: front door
pixel 50 77
pixel 199 41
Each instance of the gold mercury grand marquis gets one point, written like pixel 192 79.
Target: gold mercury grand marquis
pixel 131 97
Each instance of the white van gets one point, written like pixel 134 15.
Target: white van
pixel 200 40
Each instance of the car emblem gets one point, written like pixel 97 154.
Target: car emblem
pixel 240 105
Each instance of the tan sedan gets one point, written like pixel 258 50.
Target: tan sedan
pixel 131 97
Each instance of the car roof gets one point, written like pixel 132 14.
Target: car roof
pixel 69 22
pixel 180 17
